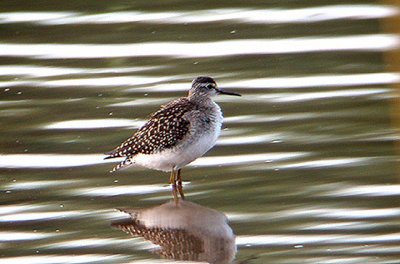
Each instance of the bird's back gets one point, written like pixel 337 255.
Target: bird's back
pixel 164 130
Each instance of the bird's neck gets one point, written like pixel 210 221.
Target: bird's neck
pixel 201 100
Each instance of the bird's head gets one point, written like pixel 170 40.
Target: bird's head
pixel 206 87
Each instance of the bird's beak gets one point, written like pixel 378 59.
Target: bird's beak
pixel 226 92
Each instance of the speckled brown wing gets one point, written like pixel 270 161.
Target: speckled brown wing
pixel 163 130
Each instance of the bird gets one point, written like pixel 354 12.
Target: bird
pixel 177 134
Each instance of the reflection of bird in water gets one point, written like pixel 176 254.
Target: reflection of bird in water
pixel 185 232
pixel 177 134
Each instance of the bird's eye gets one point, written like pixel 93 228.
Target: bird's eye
pixel 210 86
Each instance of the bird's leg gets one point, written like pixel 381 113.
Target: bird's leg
pixel 172 179
pixel 179 184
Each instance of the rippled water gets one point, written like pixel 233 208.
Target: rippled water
pixel 305 169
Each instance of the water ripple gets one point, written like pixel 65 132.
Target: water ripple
pixel 30 185
pixel 289 82
pixel 39 216
pixel 70 160
pixel 346 213
pixel 360 214
pixel 95 123
pixel 331 162
pixel 366 190
pixel 293 239
pixel 49 160
pixel 89 243
pixel 244 15
pixel 159 84
pixel 60 259
pixel 320 81
pixel 23 236
pixel 119 190
pixel 37 71
pixel 373 42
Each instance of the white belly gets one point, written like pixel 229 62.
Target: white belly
pixel 177 157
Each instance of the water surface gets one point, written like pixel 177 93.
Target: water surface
pixel 305 169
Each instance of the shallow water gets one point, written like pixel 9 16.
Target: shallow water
pixel 305 169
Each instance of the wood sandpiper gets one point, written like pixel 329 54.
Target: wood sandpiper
pixel 177 134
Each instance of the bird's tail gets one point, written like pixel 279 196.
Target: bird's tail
pixel 123 164
pixel 111 154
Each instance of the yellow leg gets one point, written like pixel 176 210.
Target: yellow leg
pixel 172 180
pixel 179 184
